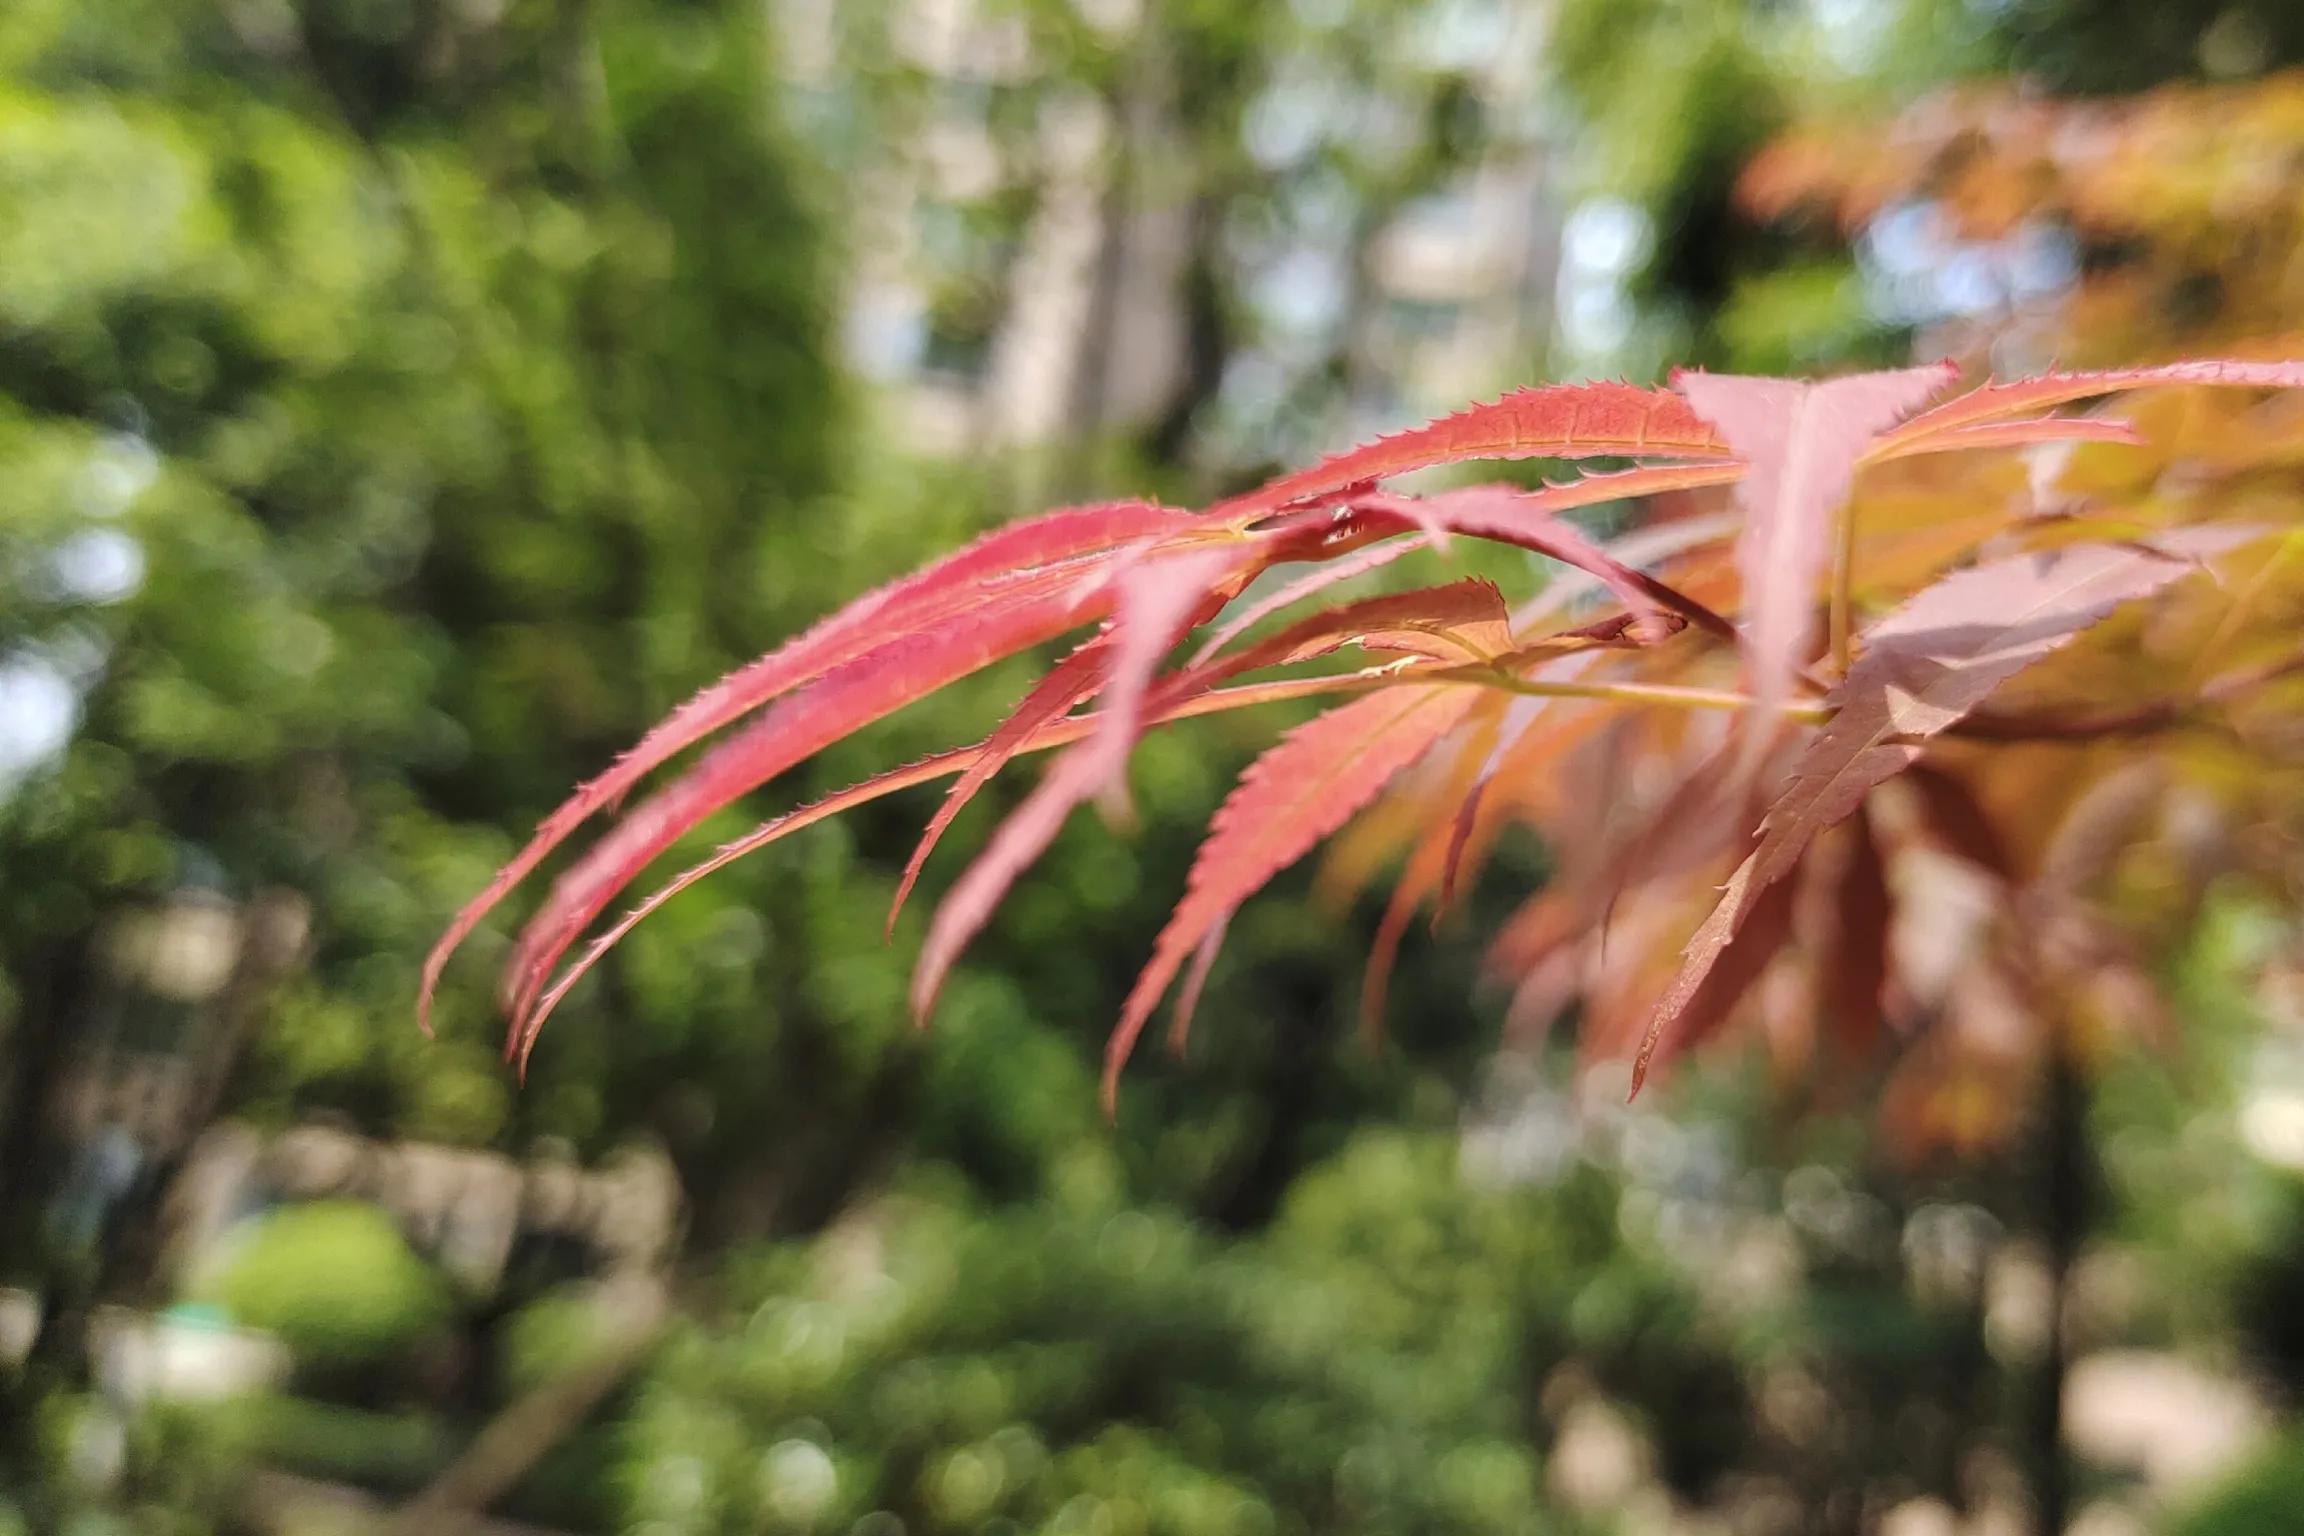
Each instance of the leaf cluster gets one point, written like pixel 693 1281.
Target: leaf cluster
pixel 1803 744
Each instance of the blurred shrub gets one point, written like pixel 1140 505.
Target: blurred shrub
pixel 335 1280
pixel 551 1335
pixel 1374 1362
pixel 2264 1498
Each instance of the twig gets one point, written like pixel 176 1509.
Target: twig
pixel 515 1440
pixel 1843 578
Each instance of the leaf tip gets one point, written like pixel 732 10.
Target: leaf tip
pixel 1116 803
pixel 428 983
pixel 1645 1057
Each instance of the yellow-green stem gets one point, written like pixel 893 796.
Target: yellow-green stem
pixel 1843 578
pixel 1808 712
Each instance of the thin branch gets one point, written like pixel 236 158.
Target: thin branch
pixel 1807 712
pixel 526 1431
pixel 1072 728
pixel 1843 578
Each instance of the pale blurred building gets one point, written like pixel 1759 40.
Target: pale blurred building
pixel 466 1208
pixel 1073 321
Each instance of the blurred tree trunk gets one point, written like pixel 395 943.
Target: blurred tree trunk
pixel 1092 359
pixel 118 1257
pixel 1208 334
pixel 30 1169
pixel 2066 1202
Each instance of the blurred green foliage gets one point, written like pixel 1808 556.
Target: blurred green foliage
pixel 1372 1362
pixel 450 451
pixel 334 1280
pixel 400 407
pixel 2261 1499
pixel 452 435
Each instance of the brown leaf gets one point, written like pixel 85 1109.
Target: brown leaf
pixel 1924 667
pixel 1956 819
pixel 1855 973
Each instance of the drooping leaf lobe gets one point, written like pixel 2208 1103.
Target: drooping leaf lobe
pixel 1923 668
pixel 1802 442
pixel 1037 552
pixel 1288 800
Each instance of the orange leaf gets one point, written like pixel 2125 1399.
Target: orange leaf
pixel 1856 971
pixel 1991 402
pixel 1557 421
pixel 1008 568
pixel 1289 799
pixel 1923 668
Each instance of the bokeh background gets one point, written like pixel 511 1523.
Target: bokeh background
pixel 402 402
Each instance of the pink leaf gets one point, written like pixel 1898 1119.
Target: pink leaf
pixel 866 689
pixel 1161 596
pixel 1029 554
pixel 1287 801
pixel 1994 401
pixel 1556 421
pixel 1922 669
pixel 1638 549
pixel 524 1033
pixel 1803 442
pixel 1189 695
pixel 2031 432
pixel 1457 621
pixel 1014 848
pixel 1420 623
pixel 1319 579
pixel 1745 956
pixel 1527 520
pixel 1195 981
pixel 1066 684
